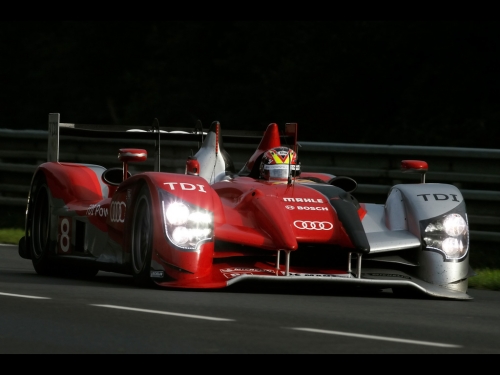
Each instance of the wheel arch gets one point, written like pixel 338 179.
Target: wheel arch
pixel 70 181
pixel 175 262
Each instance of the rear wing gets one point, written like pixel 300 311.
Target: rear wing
pixel 155 133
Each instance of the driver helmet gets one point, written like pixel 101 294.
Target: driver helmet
pixel 278 164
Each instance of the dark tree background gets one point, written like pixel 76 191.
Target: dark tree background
pixel 383 82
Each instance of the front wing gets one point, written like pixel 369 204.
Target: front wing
pixel 225 275
pixel 372 278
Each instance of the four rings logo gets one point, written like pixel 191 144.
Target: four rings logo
pixel 313 225
pixel 117 212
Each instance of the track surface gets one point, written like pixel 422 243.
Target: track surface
pixel 109 314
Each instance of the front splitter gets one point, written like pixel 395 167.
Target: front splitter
pixel 367 279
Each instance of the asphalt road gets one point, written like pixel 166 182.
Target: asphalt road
pixel 110 315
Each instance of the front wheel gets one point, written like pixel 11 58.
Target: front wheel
pixel 142 238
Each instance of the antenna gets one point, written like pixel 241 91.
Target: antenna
pixel 156 128
pixel 198 129
pixel 291 131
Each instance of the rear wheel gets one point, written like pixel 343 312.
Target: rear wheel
pixel 39 227
pixel 142 238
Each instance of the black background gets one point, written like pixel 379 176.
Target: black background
pixel 383 82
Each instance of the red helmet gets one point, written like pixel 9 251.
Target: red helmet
pixel 279 163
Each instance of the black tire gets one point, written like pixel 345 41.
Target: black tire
pixel 22 250
pixel 38 227
pixel 142 238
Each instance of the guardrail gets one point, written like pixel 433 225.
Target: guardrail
pixel 476 172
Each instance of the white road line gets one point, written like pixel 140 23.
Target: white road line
pixel 428 343
pixel 166 313
pixel 22 296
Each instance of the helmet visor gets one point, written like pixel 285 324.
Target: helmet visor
pixel 281 171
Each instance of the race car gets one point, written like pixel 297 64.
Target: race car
pixel 214 226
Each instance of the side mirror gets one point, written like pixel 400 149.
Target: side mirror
pixel 192 166
pixel 131 155
pixel 415 166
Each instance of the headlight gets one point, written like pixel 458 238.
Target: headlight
pixel 180 235
pixel 454 225
pixel 177 213
pixel 186 226
pixel 447 234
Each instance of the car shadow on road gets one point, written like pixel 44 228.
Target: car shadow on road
pixel 114 280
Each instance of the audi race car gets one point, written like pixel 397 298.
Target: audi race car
pixel 213 226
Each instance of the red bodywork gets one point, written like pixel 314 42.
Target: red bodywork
pixel 253 221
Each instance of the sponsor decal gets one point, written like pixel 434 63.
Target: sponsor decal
pixel 117 212
pixel 306 208
pixel 157 274
pixel 229 273
pixel 438 197
pixel 239 271
pixel 318 275
pixel 244 269
pixel 313 225
pixel 185 186
pixel 303 200
pixel 97 210
pixel 64 236
pixel 389 275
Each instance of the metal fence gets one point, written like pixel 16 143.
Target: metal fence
pixel 476 172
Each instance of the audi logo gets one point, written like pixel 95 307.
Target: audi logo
pixel 313 225
pixel 117 212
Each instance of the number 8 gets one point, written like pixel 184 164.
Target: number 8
pixel 65 241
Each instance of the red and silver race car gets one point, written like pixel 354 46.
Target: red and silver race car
pixel 213 226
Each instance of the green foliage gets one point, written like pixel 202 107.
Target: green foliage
pixel 486 279
pixel 11 235
pixel 12 217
